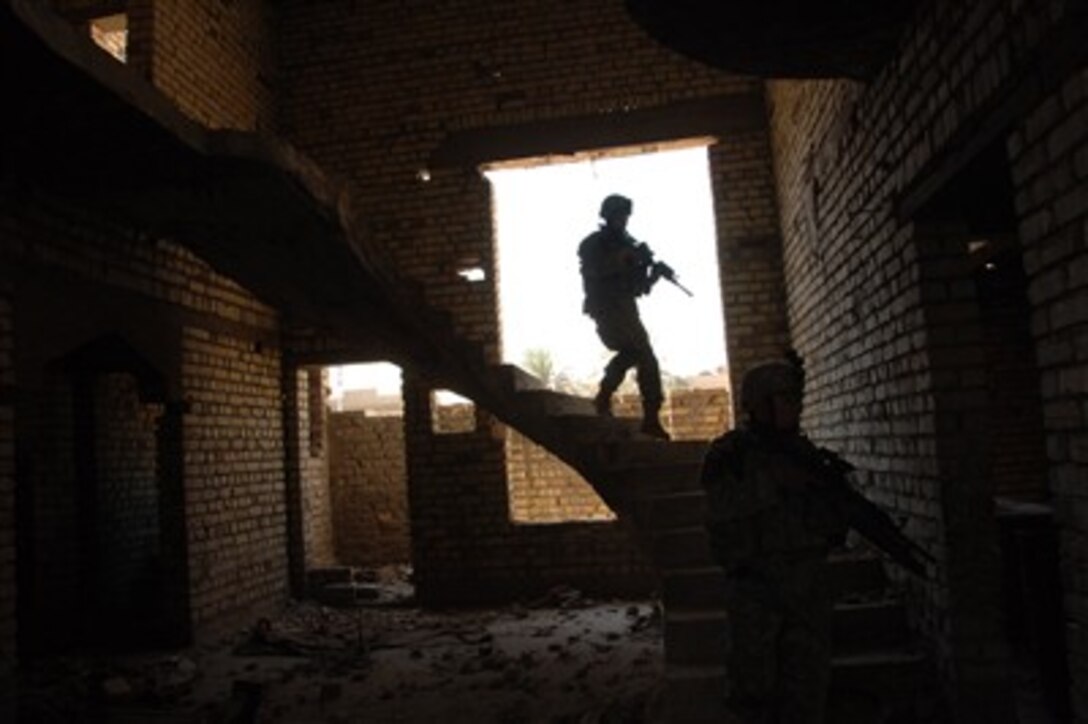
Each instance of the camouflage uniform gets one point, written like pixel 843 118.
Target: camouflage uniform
pixel 615 271
pixel 772 536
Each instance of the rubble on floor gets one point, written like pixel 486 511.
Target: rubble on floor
pixel 562 658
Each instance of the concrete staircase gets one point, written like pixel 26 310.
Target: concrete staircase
pixel 878 675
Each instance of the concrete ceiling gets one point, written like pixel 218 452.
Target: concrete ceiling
pixel 779 38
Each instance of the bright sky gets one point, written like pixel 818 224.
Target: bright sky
pixel 542 214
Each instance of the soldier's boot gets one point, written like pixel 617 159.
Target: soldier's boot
pixel 651 424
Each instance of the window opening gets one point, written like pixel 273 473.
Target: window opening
pixel 451 413
pixel 372 387
pixel 110 33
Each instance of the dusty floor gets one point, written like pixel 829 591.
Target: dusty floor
pixel 563 658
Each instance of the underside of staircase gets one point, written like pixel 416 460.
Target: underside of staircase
pixel 89 130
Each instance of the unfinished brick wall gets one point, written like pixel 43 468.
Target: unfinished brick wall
pixel 235 482
pixel 214 59
pixel 885 310
pixel 212 342
pixel 368 478
pixel 8 590
pixel 543 489
pixel 313 460
pixel 7 481
pixel 368 475
pixel 749 253
pixel 1049 152
pixel 126 500
pixel 464 546
pixel 372 93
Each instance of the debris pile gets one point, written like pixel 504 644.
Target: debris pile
pixel 559 658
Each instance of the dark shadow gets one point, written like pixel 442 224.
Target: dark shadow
pixel 101 509
pixel 976 210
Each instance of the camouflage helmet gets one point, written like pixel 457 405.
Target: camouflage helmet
pixel 615 205
pixel 767 379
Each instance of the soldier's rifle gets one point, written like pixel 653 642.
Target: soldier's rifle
pixel 659 269
pixel 861 514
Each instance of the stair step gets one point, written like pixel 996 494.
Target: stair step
pixel 684 509
pixel 861 627
pixel 896 674
pixel 595 430
pixel 854 574
pixel 696 693
pixel 659 479
pixel 699 637
pixel 695 638
pixel 641 452
pixel 516 379
pixel 697 588
pixel 681 548
pixel 701 587
pixel 550 402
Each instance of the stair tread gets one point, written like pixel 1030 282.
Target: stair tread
pixel 839 661
pixel 881 656
pixel 700 613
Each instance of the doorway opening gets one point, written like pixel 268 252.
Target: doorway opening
pixel 99 507
pixel 367 468
pixel 542 210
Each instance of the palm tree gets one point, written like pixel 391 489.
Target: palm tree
pixel 539 363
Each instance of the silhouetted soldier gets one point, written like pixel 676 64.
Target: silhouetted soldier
pixel 616 270
pixel 771 531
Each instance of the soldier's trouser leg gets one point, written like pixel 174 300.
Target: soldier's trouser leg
pixel 752 658
pixel 620 328
pixel 804 650
pixel 614 372
pixel 649 380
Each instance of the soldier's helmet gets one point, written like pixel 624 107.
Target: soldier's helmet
pixel 767 379
pixel 615 205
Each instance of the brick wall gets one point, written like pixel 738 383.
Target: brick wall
pixel 372 94
pixel 235 480
pixel 543 489
pixel 7 483
pixel 749 253
pixel 126 501
pixel 8 590
pixel 317 510
pixel 211 341
pixel 214 59
pixel 367 474
pixel 1049 151
pixel 883 305
pixel 464 546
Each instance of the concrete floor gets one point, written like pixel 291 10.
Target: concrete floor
pixel 560 659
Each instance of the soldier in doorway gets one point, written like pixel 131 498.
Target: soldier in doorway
pixel 616 270
pixel 772 534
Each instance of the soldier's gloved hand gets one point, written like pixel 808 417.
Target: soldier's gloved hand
pixel 642 251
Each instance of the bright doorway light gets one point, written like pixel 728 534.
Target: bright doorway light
pixel 542 213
